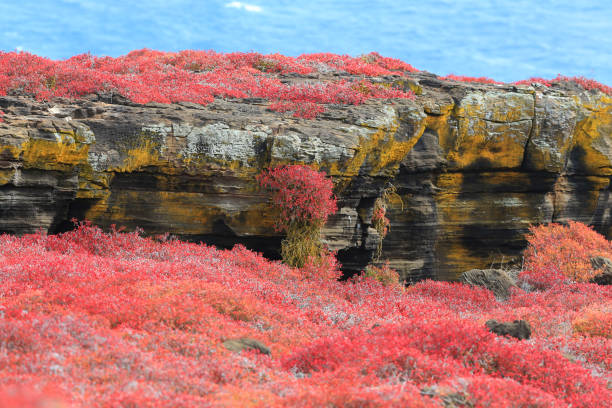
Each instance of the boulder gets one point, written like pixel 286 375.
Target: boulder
pixel 605 266
pixel 519 329
pixel 245 343
pixel 497 281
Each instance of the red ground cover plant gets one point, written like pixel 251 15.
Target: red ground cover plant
pixel 585 83
pixel 461 78
pixel 146 75
pixel 200 76
pixel 95 319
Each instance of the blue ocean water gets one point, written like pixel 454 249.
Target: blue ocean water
pixel 503 39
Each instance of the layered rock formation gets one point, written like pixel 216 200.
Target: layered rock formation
pixel 474 165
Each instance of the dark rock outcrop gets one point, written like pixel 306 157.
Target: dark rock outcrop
pixel 519 329
pixel 496 280
pixel 245 343
pixel 474 165
pixel 604 265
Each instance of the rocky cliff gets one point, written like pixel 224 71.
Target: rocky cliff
pixel 474 165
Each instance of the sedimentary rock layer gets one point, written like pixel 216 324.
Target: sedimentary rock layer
pixel 474 165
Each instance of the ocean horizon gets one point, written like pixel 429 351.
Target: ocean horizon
pixel 504 40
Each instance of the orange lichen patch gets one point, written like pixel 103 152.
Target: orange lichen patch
pixel 591 138
pixel 490 145
pixel 145 152
pixel 408 84
pixel 497 106
pixel 389 155
pixel 62 154
pixel 492 131
pixel 452 253
pixel 93 184
pixel 380 152
pixel 440 124
pixel 10 152
pixel 6 176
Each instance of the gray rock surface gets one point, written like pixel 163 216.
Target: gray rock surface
pixel 519 329
pixel 245 343
pixel 496 280
pixel 604 265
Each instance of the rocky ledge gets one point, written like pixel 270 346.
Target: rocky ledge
pixel 474 165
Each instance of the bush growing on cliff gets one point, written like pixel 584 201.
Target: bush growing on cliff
pixel 379 220
pixel 305 200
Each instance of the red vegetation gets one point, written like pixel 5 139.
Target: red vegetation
pixel 379 217
pixel 199 76
pixel 99 319
pixel 585 83
pixel 557 252
pixel 300 193
pixel 145 76
pixel 461 78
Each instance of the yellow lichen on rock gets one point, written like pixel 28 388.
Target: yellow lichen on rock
pixel 492 131
pixel 62 154
pixel 6 176
pixel 592 146
pixel 144 153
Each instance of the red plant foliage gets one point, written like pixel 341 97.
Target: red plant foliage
pixel 372 64
pixel 198 76
pixel 300 194
pixel 379 216
pixel 595 320
pixel 94 319
pixel 557 252
pixel 585 83
pixel 461 78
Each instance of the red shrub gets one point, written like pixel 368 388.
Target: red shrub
pixel 595 320
pixel 300 194
pixel 557 253
pixel 383 274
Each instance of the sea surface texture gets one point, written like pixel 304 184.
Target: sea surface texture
pixel 505 40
